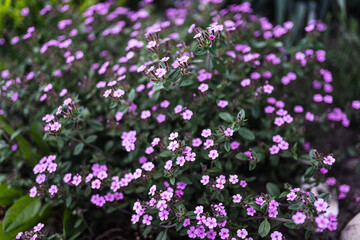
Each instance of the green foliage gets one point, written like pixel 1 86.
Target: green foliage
pixel 7 194
pixel 22 211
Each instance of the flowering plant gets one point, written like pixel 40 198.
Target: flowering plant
pixel 194 124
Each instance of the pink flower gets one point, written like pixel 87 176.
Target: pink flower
pixel 33 192
pixel 344 188
pixel 223 103
pixel 95 184
pixel 196 142
pixel 208 143
pixel 298 109
pixel 18 236
pixel 269 109
pixel 291 196
pixel 152 190
pixel 274 150
pixel 40 178
pixel 206 133
pixel 67 177
pixel 268 88
pixel 53 189
pixel 119 116
pixel 211 223
pixel 163 215
pixel 205 179
pixel 355 104
pixel 321 205
pixel 242 233
pixel 173 135
pixel 299 218
pixel 259 201
pixel 199 210
pixel 228 132
pixel 147 219
pixel 173 145
pixel 145 114
pixel 160 72
pixel 279 121
pixel 283 145
pixel 178 109
pixel 243 183
pixel 237 198
pixel 224 233
pixel 329 160
pixel 38 227
pixel 322 222
pixel 245 82
pixel 187 114
pixel 168 165
pixel 191 232
pixel 233 179
pixel 161 118
pixel 213 154
pixel 250 211
pixel 277 139
pixel 276 235
pixel 180 161
pixel 203 87
pixel 118 93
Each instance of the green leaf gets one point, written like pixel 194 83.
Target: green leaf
pixel 20 212
pixel 132 95
pixel 283 194
pixel 78 149
pixel 290 225
pixel 174 75
pixel 73 226
pixel 264 228
pixel 218 64
pixel 246 134
pixel 242 156
pixel 8 195
pixel 140 189
pixel 258 44
pixel 324 196
pixel 296 206
pixel 113 105
pixel 212 49
pixel 200 51
pixel 167 86
pixel 91 139
pixel 241 114
pixel 172 181
pixel 307 234
pixel 312 197
pixel 147 230
pixel 312 154
pixel 226 117
pixel 310 171
pixel 272 189
pixel 24 146
pixel 227 146
pixel 68 201
pixel 258 155
pixel 252 166
pixel 179 226
pixel 45 213
pixel 162 235
pixel 38 137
